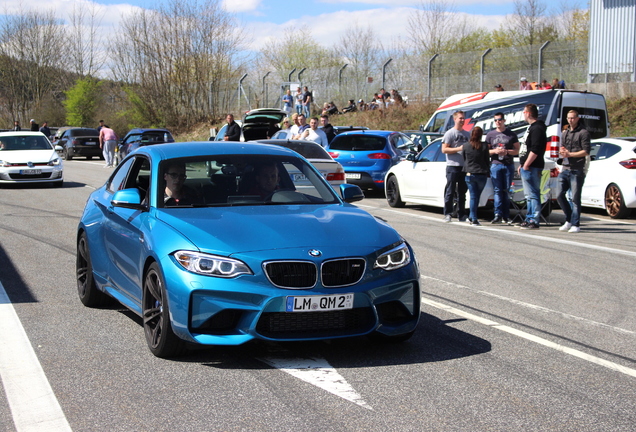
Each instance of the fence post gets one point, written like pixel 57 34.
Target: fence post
pixel 384 72
pixel 265 101
pixel 541 61
pixel 430 62
pixel 240 88
pixel 481 75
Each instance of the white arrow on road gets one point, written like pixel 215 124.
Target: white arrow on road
pixel 318 372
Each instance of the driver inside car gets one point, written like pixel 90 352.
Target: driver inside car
pixel 176 192
pixel 265 180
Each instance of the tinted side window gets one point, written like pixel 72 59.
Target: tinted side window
pixel 607 151
pixel 116 182
pixel 428 154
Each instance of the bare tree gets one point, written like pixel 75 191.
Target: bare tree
pixel 432 26
pixel 30 45
pixel 85 44
pixel 361 51
pixel 179 66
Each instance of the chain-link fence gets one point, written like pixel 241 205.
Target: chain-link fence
pixel 449 74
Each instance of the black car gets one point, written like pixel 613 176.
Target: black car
pixel 138 137
pixel 77 141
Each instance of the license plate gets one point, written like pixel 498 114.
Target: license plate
pixel 299 177
pixel 352 175
pixel 319 303
pixel 90 143
pixel 31 171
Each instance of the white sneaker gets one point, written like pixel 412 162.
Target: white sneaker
pixel 566 226
pixel 574 229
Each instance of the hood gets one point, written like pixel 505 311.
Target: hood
pixel 233 230
pixel 23 156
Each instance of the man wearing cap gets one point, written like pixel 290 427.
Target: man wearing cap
pixel 34 126
pixel 524 84
pixel 498 87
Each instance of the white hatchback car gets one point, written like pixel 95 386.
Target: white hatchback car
pixel 421 179
pixel 610 183
pixel 29 157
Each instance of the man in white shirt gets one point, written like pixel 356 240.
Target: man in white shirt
pixel 313 133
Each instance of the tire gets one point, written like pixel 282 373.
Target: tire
pixel 88 293
pixel 67 155
pixel 393 193
pixel 89 157
pixel 160 338
pixel 615 203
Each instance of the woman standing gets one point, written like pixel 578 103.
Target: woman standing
pixel 477 168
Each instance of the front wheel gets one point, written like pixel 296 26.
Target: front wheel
pixel 160 338
pixel 393 193
pixel 615 202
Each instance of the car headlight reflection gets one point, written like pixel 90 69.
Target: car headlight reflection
pixel 211 265
pixel 394 259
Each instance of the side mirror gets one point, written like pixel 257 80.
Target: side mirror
pixel 411 157
pixel 351 193
pixel 128 198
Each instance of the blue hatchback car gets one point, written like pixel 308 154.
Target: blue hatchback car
pixel 222 244
pixel 367 155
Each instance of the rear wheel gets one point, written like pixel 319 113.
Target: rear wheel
pixel 88 293
pixel 615 203
pixel 161 340
pixel 393 193
pixel 68 155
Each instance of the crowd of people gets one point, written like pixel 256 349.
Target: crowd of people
pixel 469 163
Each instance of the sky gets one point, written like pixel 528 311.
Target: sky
pixel 326 19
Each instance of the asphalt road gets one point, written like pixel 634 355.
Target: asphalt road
pixel 529 331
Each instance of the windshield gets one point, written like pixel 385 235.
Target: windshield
pixel 25 142
pixel 231 180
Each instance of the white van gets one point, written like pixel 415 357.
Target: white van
pixel 553 105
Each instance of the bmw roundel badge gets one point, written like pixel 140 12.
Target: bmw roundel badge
pixel 314 252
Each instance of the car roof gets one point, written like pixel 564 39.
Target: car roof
pixel 21 133
pixel 142 130
pixel 293 144
pixel 205 148
pixel 367 132
pixel 628 143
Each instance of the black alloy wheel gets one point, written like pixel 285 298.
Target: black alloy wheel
pixel 393 193
pixel 160 338
pixel 88 292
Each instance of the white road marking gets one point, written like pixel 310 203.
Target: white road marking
pixel 576 353
pixel 318 372
pixel 33 405
pixel 533 306
pixel 512 232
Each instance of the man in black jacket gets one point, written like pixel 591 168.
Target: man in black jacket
pixel 531 165
pixel 233 129
pixel 326 127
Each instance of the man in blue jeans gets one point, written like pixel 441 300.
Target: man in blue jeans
pixel 504 145
pixel 531 164
pixel 574 149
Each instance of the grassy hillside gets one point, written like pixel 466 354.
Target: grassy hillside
pixel 622 116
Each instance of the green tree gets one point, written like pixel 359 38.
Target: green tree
pixel 81 102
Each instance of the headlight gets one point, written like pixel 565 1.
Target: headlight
pixel 55 162
pixel 394 259
pixel 211 265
